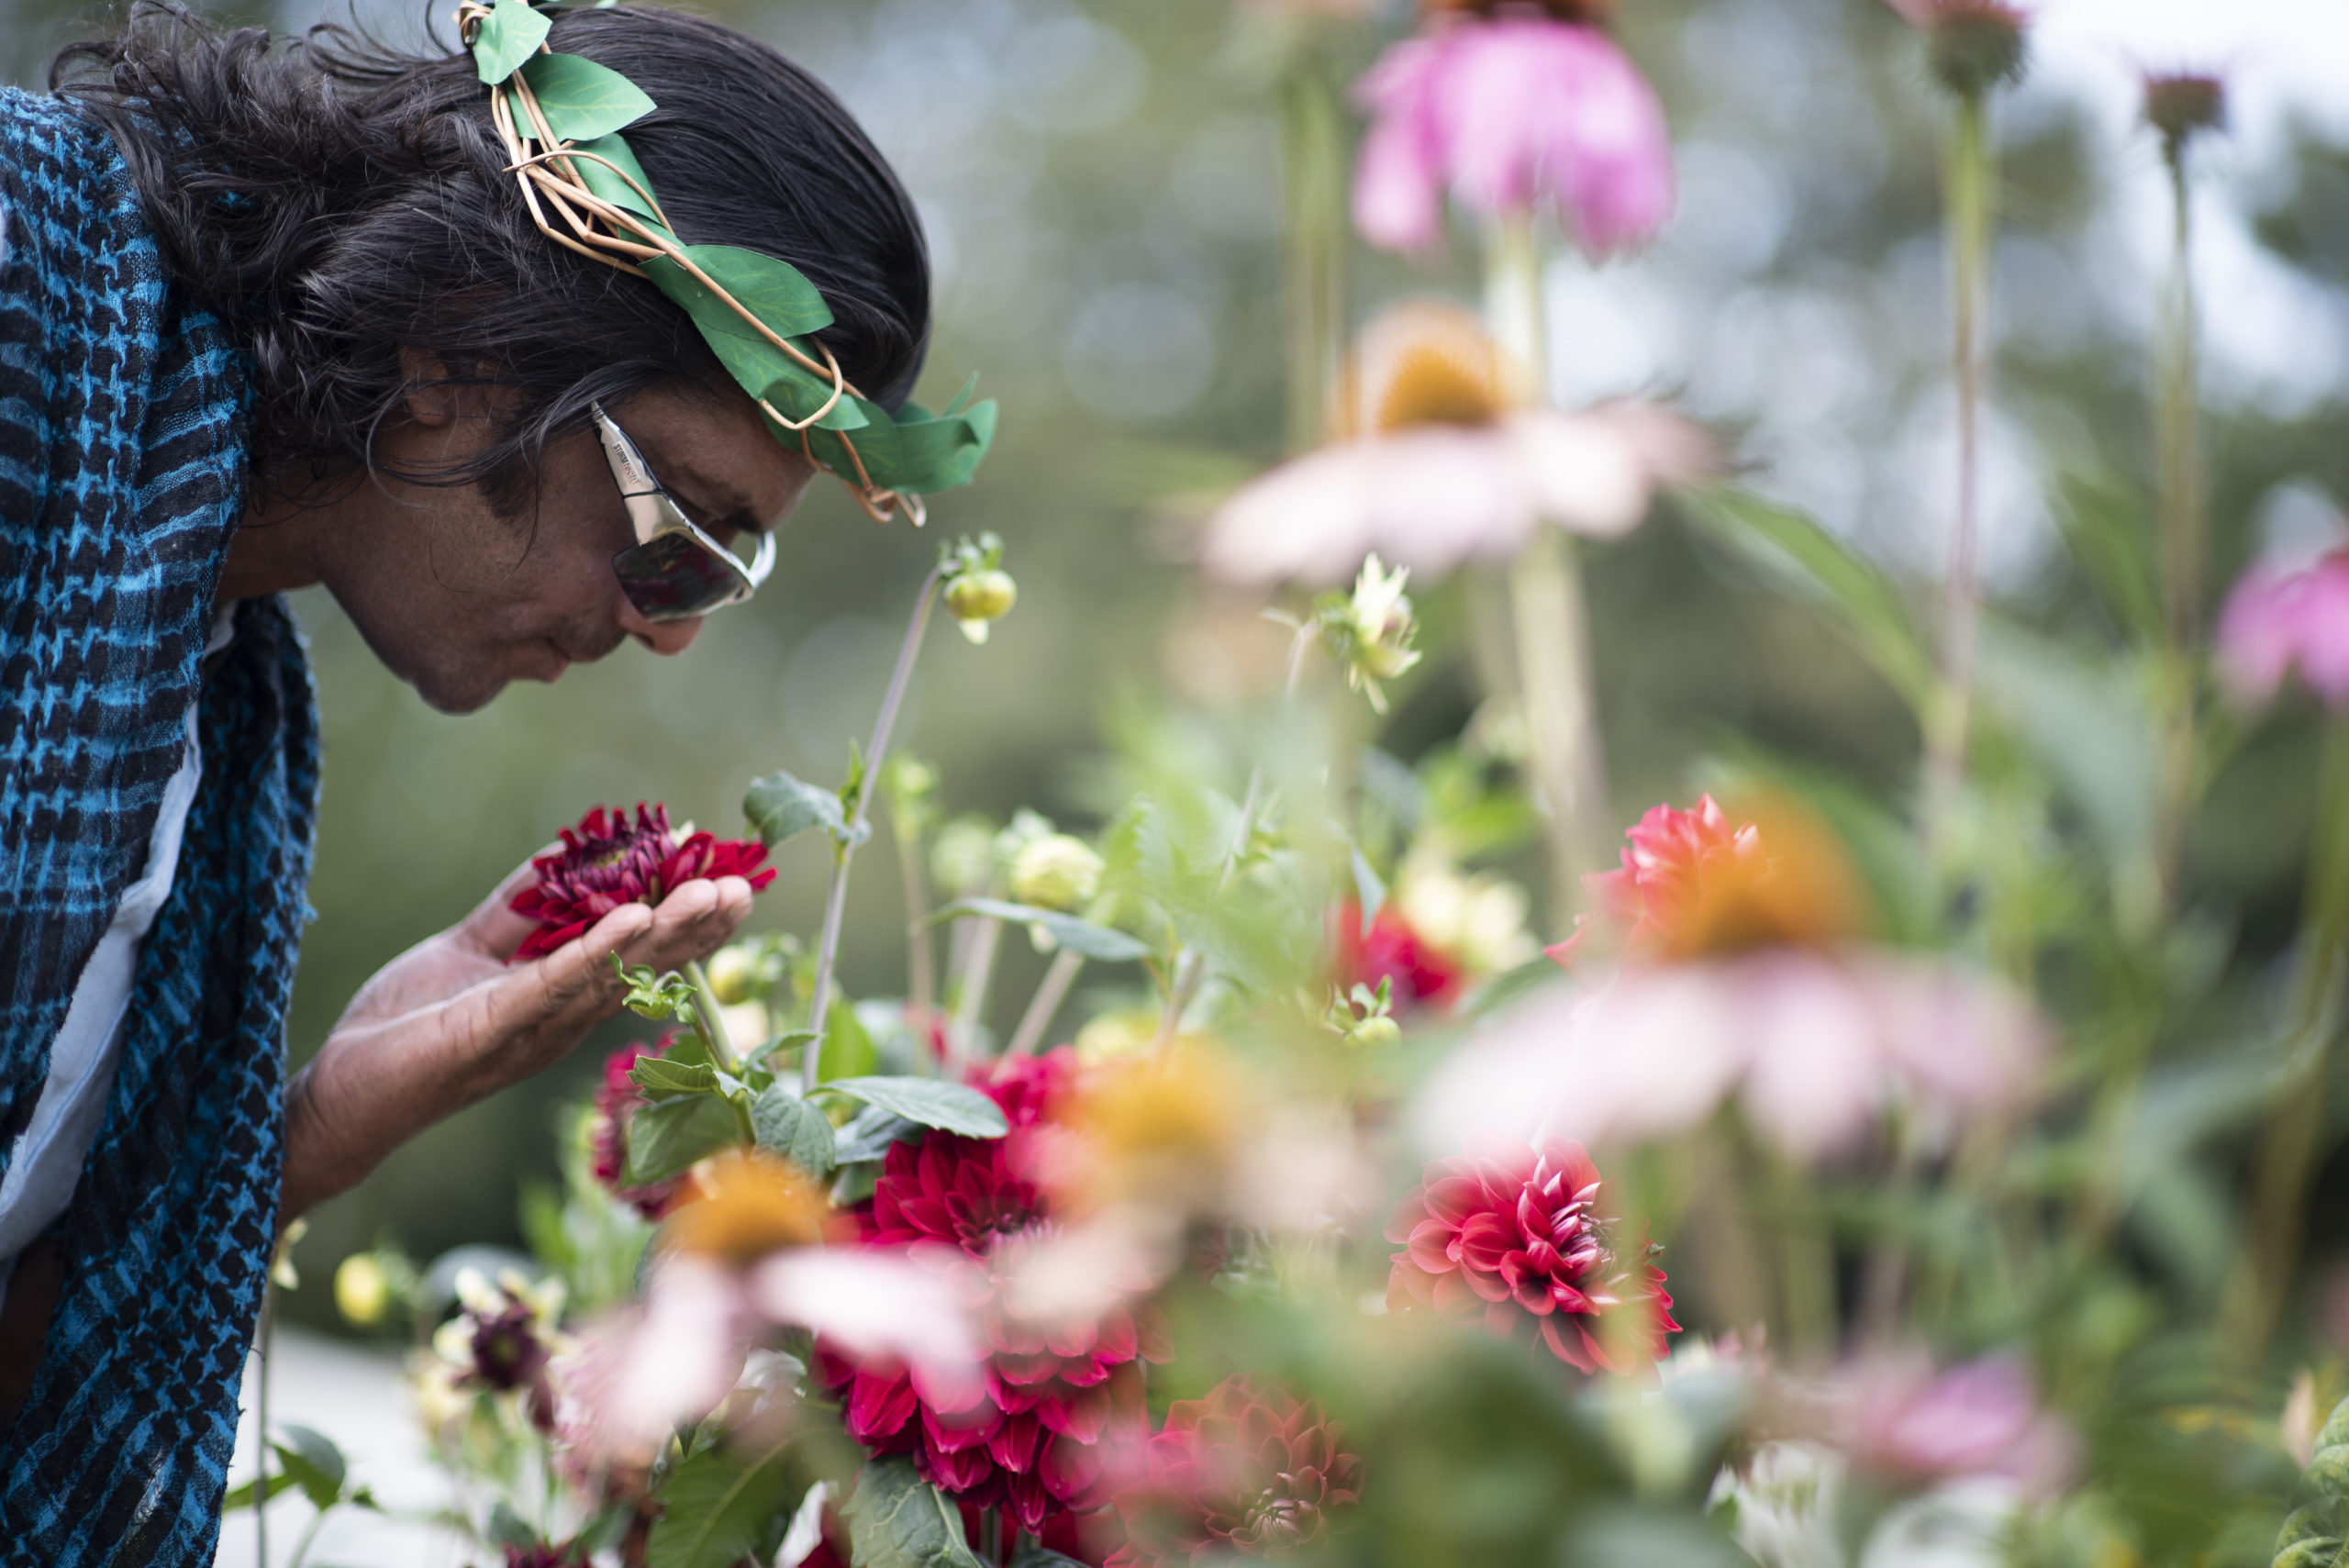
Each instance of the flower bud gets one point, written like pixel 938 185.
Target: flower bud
pixel 1056 872
pixel 1372 630
pixel 2182 103
pixel 976 598
pixel 964 858
pixel 363 1293
pixel 731 972
pixel 1375 1031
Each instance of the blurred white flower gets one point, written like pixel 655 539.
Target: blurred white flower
pixel 1475 918
pixel 912 1307
pixel 671 1359
pixel 1814 1045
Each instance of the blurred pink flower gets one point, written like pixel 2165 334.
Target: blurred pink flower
pixel 1509 112
pixel 1445 464
pixel 1902 1421
pixel 2276 621
pixel 1814 1045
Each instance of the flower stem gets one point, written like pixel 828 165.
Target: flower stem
pixel 1546 599
pixel 2179 445
pixel 260 1423
pixel 836 898
pixel 711 1017
pixel 2288 1153
pixel 921 983
pixel 1968 197
pixel 1313 183
pixel 971 993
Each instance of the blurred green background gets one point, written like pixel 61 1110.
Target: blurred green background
pixel 1101 182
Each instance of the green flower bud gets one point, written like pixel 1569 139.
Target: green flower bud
pixel 1375 1030
pixel 362 1292
pixel 962 860
pixel 732 971
pixel 1056 872
pixel 975 598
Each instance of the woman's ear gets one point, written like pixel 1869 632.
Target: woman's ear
pixel 433 397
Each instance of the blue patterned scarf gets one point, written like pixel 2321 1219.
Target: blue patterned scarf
pixel 122 477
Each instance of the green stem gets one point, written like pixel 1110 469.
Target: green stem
pixel 1968 195
pixel 711 1017
pixel 922 984
pixel 302 1547
pixel 836 897
pixel 261 1425
pixel 1314 185
pixel 2289 1154
pixel 2179 445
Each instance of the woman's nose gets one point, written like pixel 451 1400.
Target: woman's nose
pixel 665 637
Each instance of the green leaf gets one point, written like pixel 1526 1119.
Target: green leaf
pixel 781 807
pixel 780 295
pixel 609 184
pixel 770 288
pixel 508 1528
pixel 657 1075
pixel 2110 539
pixel 782 1042
pixel 667 1136
pixel 580 99
pixel 849 1049
pixel 509 34
pixel 1083 938
pixel 869 1135
pixel 2316 1532
pixel 1034 1556
pixel 1874 613
pixel 717 1503
pixel 895 1519
pixel 933 1102
pixel 917 451
pixel 314 1462
pixel 1369 891
pixel 241 1496
pixel 792 1127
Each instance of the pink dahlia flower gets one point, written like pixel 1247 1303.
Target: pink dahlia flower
pixel 1392 950
pixel 1246 1472
pixel 1027 1437
pixel 1914 1426
pixel 607 861
pixel 617 1099
pixel 1518 1241
pixel 1511 113
pixel 2278 621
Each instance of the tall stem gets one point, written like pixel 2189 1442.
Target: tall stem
pixel 836 900
pixel 2289 1154
pixel 1314 187
pixel 260 1423
pixel 1546 600
pixel 2177 440
pixel 921 982
pixel 1968 195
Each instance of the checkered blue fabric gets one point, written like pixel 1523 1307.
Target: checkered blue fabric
pixel 122 473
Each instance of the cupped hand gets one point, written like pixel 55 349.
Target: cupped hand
pixel 451 1021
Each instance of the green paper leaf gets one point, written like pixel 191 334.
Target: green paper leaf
pixel 849 1051
pixel 1081 937
pixel 509 34
pixel 870 1133
pixel 580 99
pixel 716 1505
pixel 800 393
pixel 773 290
pixel 780 808
pixel 779 295
pixel 917 451
pixel 962 400
pixel 668 1136
pixel 657 1075
pixel 933 1102
pixel 790 1126
pixel 895 1519
pixel 608 183
pixel 314 1462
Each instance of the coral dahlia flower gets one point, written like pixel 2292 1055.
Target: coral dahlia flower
pixel 608 861
pixel 1518 1241
pixel 1511 112
pixel 1027 1437
pixel 1392 950
pixel 1445 462
pixel 617 1099
pixel 2278 621
pixel 1246 1472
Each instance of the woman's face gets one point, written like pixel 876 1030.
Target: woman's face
pixel 457 600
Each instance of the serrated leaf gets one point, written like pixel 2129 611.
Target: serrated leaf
pixel 849 1051
pixel 580 99
pixel 509 34
pixel 314 1462
pixel 895 1519
pixel 667 1136
pixel 933 1102
pixel 780 808
pixel 658 1075
pixel 1083 938
pixel 2316 1532
pixel 608 184
pixel 790 1127
pixel 869 1134
pixel 717 1503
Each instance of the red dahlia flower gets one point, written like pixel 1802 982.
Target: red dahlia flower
pixel 617 1099
pixel 1244 1473
pixel 1029 1439
pixel 1519 1241
pixel 606 862
pixel 1392 950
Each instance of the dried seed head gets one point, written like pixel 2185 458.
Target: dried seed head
pixel 2181 104
pixel 1976 45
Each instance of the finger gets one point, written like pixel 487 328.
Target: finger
pixel 572 986
pixel 494 928
pixel 698 920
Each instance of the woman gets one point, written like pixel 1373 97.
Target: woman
pixel 274 315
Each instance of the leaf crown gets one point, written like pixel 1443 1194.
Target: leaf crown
pixel 561 117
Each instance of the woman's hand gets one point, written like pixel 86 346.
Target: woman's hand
pixel 450 1022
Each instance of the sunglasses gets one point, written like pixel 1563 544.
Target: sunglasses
pixel 675 570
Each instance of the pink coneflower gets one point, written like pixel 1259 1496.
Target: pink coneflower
pixel 608 862
pixel 1249 1471
pixel 1912 1426
pixel 1510 114
pixel 2279 621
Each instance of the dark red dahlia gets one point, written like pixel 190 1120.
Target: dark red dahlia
pixel 1519 1241
pixel 617 1099
pixel 1030 1440
pixel 1392 950
pixel 607 861
pixel 1246 1472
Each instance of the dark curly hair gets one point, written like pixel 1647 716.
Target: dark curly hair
pixel 336 200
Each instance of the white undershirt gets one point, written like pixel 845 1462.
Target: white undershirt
pixel 48 1163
